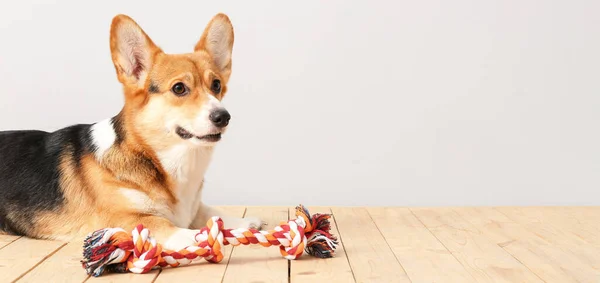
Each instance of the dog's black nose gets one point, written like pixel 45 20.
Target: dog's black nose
pixel 220 117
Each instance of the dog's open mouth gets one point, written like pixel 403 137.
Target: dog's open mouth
pixel 184 134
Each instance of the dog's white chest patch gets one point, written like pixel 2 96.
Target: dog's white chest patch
pixel 103 136
pixel 187 167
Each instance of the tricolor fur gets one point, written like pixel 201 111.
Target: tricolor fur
pixel 144 165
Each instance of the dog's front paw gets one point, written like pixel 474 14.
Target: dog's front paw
pixel 181 239
pixel 245 223
pixel 253 223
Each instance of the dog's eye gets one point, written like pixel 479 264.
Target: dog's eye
pixel 215 86
pixel 179 89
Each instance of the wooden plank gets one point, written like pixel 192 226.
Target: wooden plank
pixel 208 272
pixel 482 258
pixel 585 223
pixel 255 263
pixel 5 240
pixel 422 255
pixel 369 255
pixel 584 214
pixel 24 254
pixel 62 266
pixel 581 222
pixel 546 227
pixel 549 262
pixel 311 269
pixel 125 277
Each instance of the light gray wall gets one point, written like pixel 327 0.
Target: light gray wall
pixel 464 102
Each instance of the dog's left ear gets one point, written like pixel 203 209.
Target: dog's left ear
pixel 217 40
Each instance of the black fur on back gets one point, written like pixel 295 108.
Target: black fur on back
pixel 29 172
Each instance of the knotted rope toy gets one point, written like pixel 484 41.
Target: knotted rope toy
pixel 114 250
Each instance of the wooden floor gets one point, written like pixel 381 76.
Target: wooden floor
pixel 467 244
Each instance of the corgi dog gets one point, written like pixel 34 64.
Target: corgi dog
pixel 145 165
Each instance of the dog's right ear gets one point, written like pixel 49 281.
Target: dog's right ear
pixel 132 51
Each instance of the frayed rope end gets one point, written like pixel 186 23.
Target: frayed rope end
pixel 102 253
pixel 320 242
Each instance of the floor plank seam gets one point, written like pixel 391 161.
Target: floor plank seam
pixel 157 274
pixel 232 248
pixel 505 215
pixel 289 263
pixel 339 236
pixel 228 260
pixel 522 264
pixel 7 244
pixel 40 262
pixel 442 243
pixel 388 245
pixel 86 279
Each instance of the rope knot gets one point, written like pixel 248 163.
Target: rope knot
pixel 211 239
pixel 146 252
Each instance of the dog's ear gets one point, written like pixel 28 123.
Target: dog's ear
pixel 217 40
pixel 132 51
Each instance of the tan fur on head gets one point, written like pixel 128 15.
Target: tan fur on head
pixel 148 75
